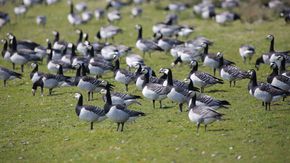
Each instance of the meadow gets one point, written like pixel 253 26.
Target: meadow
pixel 46 129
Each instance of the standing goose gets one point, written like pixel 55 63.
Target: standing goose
pixel 279 81
pixel 114 16
pixel 166 43
pixel 123 76
pixel 273 54
pixel 247 51
pixel 202 114
pixel 72 17
pixel 282 67
pixel 36 78
pixel 154 91
pixel 57 43
pixel 109 31
pixel 6 74
pixel 81 46
pixel 136 11
pixel 145 45
pixel 119 98
pixel 152 78
pixel 231 72
pixel 52 65
pixel 118 113
pixel 202 79
pixel 176 94
pixel 271 38
pixel 263 91
pixel 89 113
pixel 133 60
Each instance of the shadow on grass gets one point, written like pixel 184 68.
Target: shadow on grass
pixel 221 129
pixel 216 90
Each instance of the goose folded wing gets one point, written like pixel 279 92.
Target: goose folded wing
pixel 95 109
pixel 208 78
pixel 159 89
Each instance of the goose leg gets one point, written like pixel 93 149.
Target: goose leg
pixel 266 105
pixel 118 125
pixel 214 71
pixel 92 125
pixel 201 89
pixel 13 66
pixel 41 90
pixel 160 104
pixel 122 128
pixel 89 93
pixel 5 82
pixel 269 106
pixel 234 83
pixel 198 124
pixel 263 104
pixel 244 60
pixel 92 96
pixel 180 107
pixel 230 83
pixel 153 104
pixel 50 92
pixel 126 85
pixel 205 128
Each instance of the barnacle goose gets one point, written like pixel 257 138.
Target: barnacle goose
pixel 89 113
pixel 176 7
pixel 57 43
pixel 230 4
pixel 4 18
pixel 153 91
pixel 72 17
pixel 133 60
pixel 202 79
pixel 282 67
pixel 166 43
pixel 100 67
pixel 247 51
pixel 21 44
pixel 123 76
pixel 264 91
pixel 109 31
pixel 279 81
pixel 119 98
pixel 145 45
pixel 51 81
pixel 231 72
pixel 202 114
pixel 6 74
pixel 114 16
pixel 136 11
pixel 117 4
pixel 20 10
pixel 226 16
pixel 99 13
pixel 52 65
pixel 81 46
pixel 271 38
pixel 118 113
pixel 41 20
pixel 177 94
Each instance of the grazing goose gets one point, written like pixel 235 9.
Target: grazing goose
pixel 51 81
pixel 176 7
pixel 99 13
pixel 6 74
pixel 136 11
pixel 72 17
pixel 81 6
pixel 133 60
pixel 89 113
pixel 145 45
pixel 264 91
pixel 114 16
pixel 202 114
pixel 230 4
pixel 153 91
pixel 247 51
pixel 118 113
pixel 20 10
pixel 99 68
pixel 202 79
pixel 176 94
pixel 185 31
pixel 109 31
pixel 226 16
pixel 41 20
pixel 119 98
pixel 231 72
pixel 279 81
pixel 117 4
pixel 166 43
pixel 124 76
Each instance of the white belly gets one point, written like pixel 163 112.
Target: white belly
pixel 50 83
pixel 18 59
pixel 175 96
pixel 117 115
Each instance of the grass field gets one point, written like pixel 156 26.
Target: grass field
pixel 46 129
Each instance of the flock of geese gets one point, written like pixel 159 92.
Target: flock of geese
pixel 92 60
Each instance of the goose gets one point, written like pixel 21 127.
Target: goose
pixel 91 85
pixel 271 38
pixel 20 10
pixel 6 74
pixel 52 65
pixel 109 31
pixel 118 113
pixel 81 6
pixel 213 60
pixel 203 6
pixel 231 72
pixel 29 3
pixel 153 91
pixel 119 98
pixel 57 43
pixel 99 13
pixel 285 13
pixel 199 40
pixel 282 67
pixel 176 7
pixel 247 51
pixel 279 81
pixel 205 100
pixel 226 16
pixel 4 18
pixel 36 84
pixel 86 16
pixel 99 68
pixel 51 81
pixel 72 17
pixel 36 78
pixel 123 76
pixel 89 113
pixel 176 94
pixel 152 78
pixel 230 4
pixel 6 53
pixel 50 2
pixel 110 52
pixel 21 44
pixel 114 16
pixel 157 26
pixel 185 31
pixel 117 4
pixel 202 114
pixel 202 79
pixel 41 20
pixel 145 45
pixel 136 11
pixel 133 60
pixel 81 46
pixel 69 57
pixel 166 43
pixel 263 91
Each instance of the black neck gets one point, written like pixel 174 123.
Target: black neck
pixel 169 78
pixel 271 49
pixel 92 52
pixel 108 103
pixel 86 37
pixel 140 30
pixel 259 61
pixel 221 61
pixel 194 67
pixel 71 8
pixel 283 66
pixel 254 79
pixel 193 101
pixel 49 56
pixel 35 68
pixel 190 85
pixel 49 45
pixel 73 51
pixel 84 70
pixel 14 44
pixel 60 70
pixel 80 37
pixel 146 80
pixel 177 60
pixel 56 37
pixel 78 72
pixel 80 101
pixel 117 64
pixel 205 50
pixel 5 47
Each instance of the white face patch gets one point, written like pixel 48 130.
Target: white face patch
pixel 77 95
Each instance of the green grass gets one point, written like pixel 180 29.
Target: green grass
pixel 46 129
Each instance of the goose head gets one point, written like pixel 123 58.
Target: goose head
pixel 138 27
pixel 270 37
pixel 77 95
